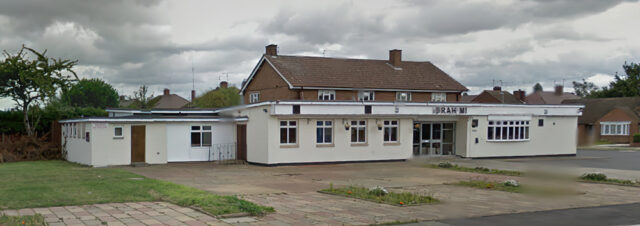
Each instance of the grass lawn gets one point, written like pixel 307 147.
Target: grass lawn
pixel 450 166
pixel 392 198
pixel 35 220
pixel 59 183
pixel 525 189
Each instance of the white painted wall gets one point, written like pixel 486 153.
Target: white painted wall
pixel 178 141
pixel 258 132
pixel 155 143
pixel 78 149
pixel 557 137
pixel 108 150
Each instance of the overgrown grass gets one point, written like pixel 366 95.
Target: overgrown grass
pixel 392 198
pixel 602 178
pixel 449 166
pixel 58 183
pixel 34 220
pixel 533 190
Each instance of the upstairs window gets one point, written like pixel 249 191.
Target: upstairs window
pixel 403 96
pixel 201 136
pixel 614 128
pixel 438 97
pixel 254 97
pixel 366 95
pixel 326 94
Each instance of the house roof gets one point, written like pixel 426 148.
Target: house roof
pixel 324 72
pixel 467 98
pixel 170 101
pixel 596 108
pixel 503 97
pixel 549 97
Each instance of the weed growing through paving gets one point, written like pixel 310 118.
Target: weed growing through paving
pixel 35 220
pixel 449 166
pixel 380 195
pixel 59 183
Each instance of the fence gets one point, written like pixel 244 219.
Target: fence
pixel 223 153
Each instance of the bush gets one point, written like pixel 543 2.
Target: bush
pixel 636 138
pixel 445 165
pixel 594 176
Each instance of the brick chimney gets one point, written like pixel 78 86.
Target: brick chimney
pixel 122 97
pixel 271 50
pixel 395 57
pixel 559 90
pixel 166 92
pixel 519 94
pixel 224 84
pixel 497 88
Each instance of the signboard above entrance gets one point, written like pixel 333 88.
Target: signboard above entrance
pixel 449 110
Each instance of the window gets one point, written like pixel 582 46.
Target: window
pixel 296 109
pixel 254 97
pixel 541 122
pixel 367 109
pixel 474 123
pixel 438 97
pixel 358 131
pixel 366 95
pixel 288 132
pixel 614 128
pixel 117 131
pixel 390 131
pixel 403 96
pixel 201 136
pixel 326 95
pixel 508 131
pixel 324 132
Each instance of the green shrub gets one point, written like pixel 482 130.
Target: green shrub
pixel 594 176
pixel 445 165
pixel 636 138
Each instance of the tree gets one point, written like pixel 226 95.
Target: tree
pixel 219 97
pixel 584 88
pixel 91 93
pixel 30 82
pixel 622 86
pixel 537 87
pixel 142 100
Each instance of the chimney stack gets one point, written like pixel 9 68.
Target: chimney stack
pixel 395 57
pixel 271 50
pixel 497 88
pixel 166 92
pixel 224 84
pixel 193 97
pixel 519 94
pixel 122 97
pixel 559 90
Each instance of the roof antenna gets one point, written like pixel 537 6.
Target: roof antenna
pixel 193 76
pixel 323 52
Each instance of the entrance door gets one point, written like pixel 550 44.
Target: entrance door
pixel 137 143
pixel 434 138
pixel 241 142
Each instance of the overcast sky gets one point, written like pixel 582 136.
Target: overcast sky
pixel 131 43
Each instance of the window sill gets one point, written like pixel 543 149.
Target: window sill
pixel 118 138
pixel 359 144
pixel 391 144
pixel 325 145
pixel 289 146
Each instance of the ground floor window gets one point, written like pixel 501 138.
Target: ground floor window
pixel 390 131
pixel 324 132
pixel 614 128
pixel 508 130
pixel 288 132
pixel 201 136
pixel 358 131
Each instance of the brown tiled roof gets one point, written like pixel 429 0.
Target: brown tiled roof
pixel 596 108
pixel 467 98
pixel 304 71
pixel 170 101
pixel 502 97
pixel 549 97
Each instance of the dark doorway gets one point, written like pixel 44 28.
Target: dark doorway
pixel 138 135
pixel 241 142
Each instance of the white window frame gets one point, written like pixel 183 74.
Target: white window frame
pixel 388 125
pixel 326 130
pixel 615 128
pixel 326 94
pixel 121 132
pixel 403 98
pixel 288 126
pixel 366 95
pixel 75 130
pixel 508 130
pixel 355 127
pixel 438 97
pixel 201 130
pixel 254 97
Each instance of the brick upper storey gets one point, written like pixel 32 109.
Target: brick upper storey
pixel 302 76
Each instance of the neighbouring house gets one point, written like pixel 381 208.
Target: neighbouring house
pixel 612 120
pixel 167 100
pixel 548 97
pixel 495 96
pixel 302 109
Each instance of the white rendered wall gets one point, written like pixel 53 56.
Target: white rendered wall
pixel 178 141
pixel 108 150
pixel 556 137
pixel 155 143
pixel 258 133
pixel 78 149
